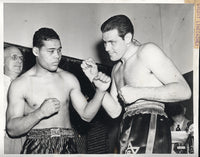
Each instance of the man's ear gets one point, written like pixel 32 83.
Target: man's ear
pixel 128 38
pixel 35 51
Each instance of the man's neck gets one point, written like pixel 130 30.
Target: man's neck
pixel 39 71
pixel 131 51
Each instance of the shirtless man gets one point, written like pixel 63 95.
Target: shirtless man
pixel 39 100
pixel 143 79
pixel 13 65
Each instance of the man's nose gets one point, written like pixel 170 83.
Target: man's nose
pixel 57 54
pixel 107 47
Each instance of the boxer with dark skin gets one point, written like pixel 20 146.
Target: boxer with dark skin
pixel 39 99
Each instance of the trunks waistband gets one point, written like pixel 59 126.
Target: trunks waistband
pixel 51 132
pixel 145 108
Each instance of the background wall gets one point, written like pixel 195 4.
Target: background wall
pixel 169 26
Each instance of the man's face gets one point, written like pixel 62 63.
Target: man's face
pixel 13 60
pixel 114 44
pixel 50 54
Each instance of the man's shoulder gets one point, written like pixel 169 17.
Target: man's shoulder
pixel 70 80
pixel 23 78
pixel 66 75
pixel 149 50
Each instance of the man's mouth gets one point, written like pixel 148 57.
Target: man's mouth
pixel 55 63
pixel 18 66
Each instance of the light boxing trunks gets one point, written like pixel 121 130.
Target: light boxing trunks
pixel 50 141
pixel 145 129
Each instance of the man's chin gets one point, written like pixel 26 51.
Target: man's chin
pixel 114 59
pixel 18 71
pixel 53 69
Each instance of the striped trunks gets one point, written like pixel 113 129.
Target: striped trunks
pixel 145 129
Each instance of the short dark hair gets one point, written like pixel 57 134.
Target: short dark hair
pixel 44 34
pixel 120 22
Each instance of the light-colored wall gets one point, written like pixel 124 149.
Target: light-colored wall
pixel 177 30
pixel 79 27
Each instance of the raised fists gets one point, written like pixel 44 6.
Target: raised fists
pixel 89 67
pixel 101 80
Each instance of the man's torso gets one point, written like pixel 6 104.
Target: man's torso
pixel 40 88
pixel 135 73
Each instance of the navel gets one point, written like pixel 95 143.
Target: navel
pixel 34 105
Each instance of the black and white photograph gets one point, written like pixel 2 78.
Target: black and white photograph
pixel 99 79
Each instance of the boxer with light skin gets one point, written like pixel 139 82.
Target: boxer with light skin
pixel 143 79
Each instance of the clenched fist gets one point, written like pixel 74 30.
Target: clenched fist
pixel 102 81
pixel 89 67
pixel 50 106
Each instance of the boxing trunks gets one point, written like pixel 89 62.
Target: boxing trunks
pixel 50 141
pixel 145 129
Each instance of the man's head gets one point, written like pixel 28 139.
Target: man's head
pixel 47 48
pixel 117 34
pixel 13 61
pixel 119 22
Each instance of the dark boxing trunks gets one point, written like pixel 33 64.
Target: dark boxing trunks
pixel 145 129
pixel 50 141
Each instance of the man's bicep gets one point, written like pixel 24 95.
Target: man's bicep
pixel 161 66
pixel 78 100
pixel 15 103
pixel 168 72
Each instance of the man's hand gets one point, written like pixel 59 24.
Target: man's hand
pixel 128 94
pixel 102 81
pixel 89 67
pixel 50 106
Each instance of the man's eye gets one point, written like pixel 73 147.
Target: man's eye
pixel 113 42
pixel 59 50
pixel 14 57
pixel 50 51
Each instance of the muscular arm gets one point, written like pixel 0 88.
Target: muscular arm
pixel 17 123
pixel 174 87
pixel 110 101
pixel 87 110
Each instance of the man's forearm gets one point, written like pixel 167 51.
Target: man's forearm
pixel 21 125
pixel 168 93
pixel 112 107
pixel 93 106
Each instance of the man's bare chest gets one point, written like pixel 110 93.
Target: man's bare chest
pixel 134 74
pixel 38 91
